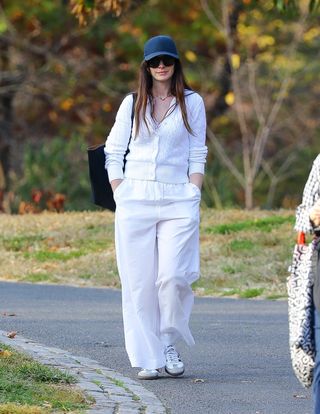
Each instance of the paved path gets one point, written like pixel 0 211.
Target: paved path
pixel 241 353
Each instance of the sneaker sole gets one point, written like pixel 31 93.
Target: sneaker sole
pixel 148 378
pixel 174 375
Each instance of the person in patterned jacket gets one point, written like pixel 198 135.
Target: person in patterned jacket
pixel 308 221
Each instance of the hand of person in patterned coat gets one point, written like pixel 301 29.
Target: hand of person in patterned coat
pixel 315 214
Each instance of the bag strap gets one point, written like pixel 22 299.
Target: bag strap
pixel 134 99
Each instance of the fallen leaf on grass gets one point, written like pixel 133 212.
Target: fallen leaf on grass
pixel 5 353
pixel 12 334
pixel 198 380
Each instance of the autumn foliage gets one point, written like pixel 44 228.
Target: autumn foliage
pixel 89 10
pixel 43 200
pixel 62 83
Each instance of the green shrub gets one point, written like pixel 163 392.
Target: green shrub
pixel 59 166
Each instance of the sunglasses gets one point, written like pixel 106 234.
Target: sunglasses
pixel 165 59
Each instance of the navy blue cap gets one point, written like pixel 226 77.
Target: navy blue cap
pixel 160 45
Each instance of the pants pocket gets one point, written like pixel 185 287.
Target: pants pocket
pixel 195 189
pixel 118 190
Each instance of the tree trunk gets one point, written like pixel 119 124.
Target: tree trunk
pixel 9 82
pixel 5 117
pixel 224 79
pixel 249 193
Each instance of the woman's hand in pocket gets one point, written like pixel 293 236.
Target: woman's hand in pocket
pixel 115 183
pixel 196 179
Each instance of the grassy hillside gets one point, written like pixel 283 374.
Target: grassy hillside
pixel 243 253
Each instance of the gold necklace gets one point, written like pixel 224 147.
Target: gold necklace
pixel 162 99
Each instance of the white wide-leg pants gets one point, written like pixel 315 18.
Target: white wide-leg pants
pixel 157 248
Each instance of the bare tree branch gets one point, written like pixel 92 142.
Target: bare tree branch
pixel 281 175
pixel 261 138
pixel 11 78
pixel 253 91
pixel 215 22
pixel 224 157
pixel 263 135
pixel 24 44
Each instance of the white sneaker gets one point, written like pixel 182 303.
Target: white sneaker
pixel 174 365
pixel 148 374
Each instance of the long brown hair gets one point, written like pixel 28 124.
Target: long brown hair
pixel 178 86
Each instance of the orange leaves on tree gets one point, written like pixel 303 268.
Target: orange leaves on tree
pixel 190 56
pixel 107 107
pixel 311 34
pixel 67 104
pixel 15 15
pixel 265 40
pixel 53 116
pixel 235 61
pixel 59 68
pixel 34 26
pixel 193 14
pixel 124 66
pixel 229 98
pixel 90 10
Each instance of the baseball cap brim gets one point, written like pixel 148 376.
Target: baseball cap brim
pixel 152 55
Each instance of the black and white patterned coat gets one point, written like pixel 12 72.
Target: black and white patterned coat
pixel 311 194
pixel 300 285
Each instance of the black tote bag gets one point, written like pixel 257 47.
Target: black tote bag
pixel 102 194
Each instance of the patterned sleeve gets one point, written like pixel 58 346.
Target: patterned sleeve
pixel 311 194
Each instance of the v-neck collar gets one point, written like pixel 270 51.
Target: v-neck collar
pixel 168 112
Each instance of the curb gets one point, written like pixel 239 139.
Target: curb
pixel 113 392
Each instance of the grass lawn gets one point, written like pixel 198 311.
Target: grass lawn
pixel 28 387
pixel 243 253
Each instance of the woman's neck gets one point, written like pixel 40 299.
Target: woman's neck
pixel 161 89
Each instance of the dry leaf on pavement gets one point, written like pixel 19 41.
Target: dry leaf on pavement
pixel 12 334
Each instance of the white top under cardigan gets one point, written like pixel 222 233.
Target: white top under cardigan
pixel 167 152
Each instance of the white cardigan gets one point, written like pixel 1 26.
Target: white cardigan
pixel 166 152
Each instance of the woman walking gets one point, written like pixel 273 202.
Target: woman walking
pixel 157 213
pixel 308 221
